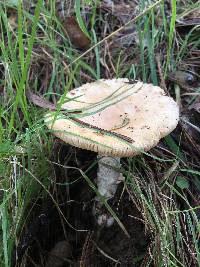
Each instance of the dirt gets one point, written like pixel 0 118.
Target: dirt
pixel 48 240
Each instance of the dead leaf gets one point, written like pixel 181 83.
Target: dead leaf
pixel 39 101
pixel 123 11
pixel 75 34
pixel 185 79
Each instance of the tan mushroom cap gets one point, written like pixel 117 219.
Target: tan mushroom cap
pixel 133 117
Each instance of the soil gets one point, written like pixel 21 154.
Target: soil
pixel 48 240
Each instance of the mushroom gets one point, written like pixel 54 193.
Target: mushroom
pixel 115 118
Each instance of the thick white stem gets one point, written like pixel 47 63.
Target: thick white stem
pixel 108 177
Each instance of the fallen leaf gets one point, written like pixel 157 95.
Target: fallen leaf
pixel 39 101
pixel 75 34
pixel 183 78
pixel 123 11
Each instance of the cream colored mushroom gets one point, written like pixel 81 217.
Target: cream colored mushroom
pixel 114 118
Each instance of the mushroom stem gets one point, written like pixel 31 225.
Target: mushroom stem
pixel 108 176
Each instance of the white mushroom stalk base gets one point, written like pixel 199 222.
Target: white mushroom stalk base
pixel 108 177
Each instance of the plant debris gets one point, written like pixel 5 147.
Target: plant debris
pixel 75 34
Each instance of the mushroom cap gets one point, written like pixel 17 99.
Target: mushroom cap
pixel 114 117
